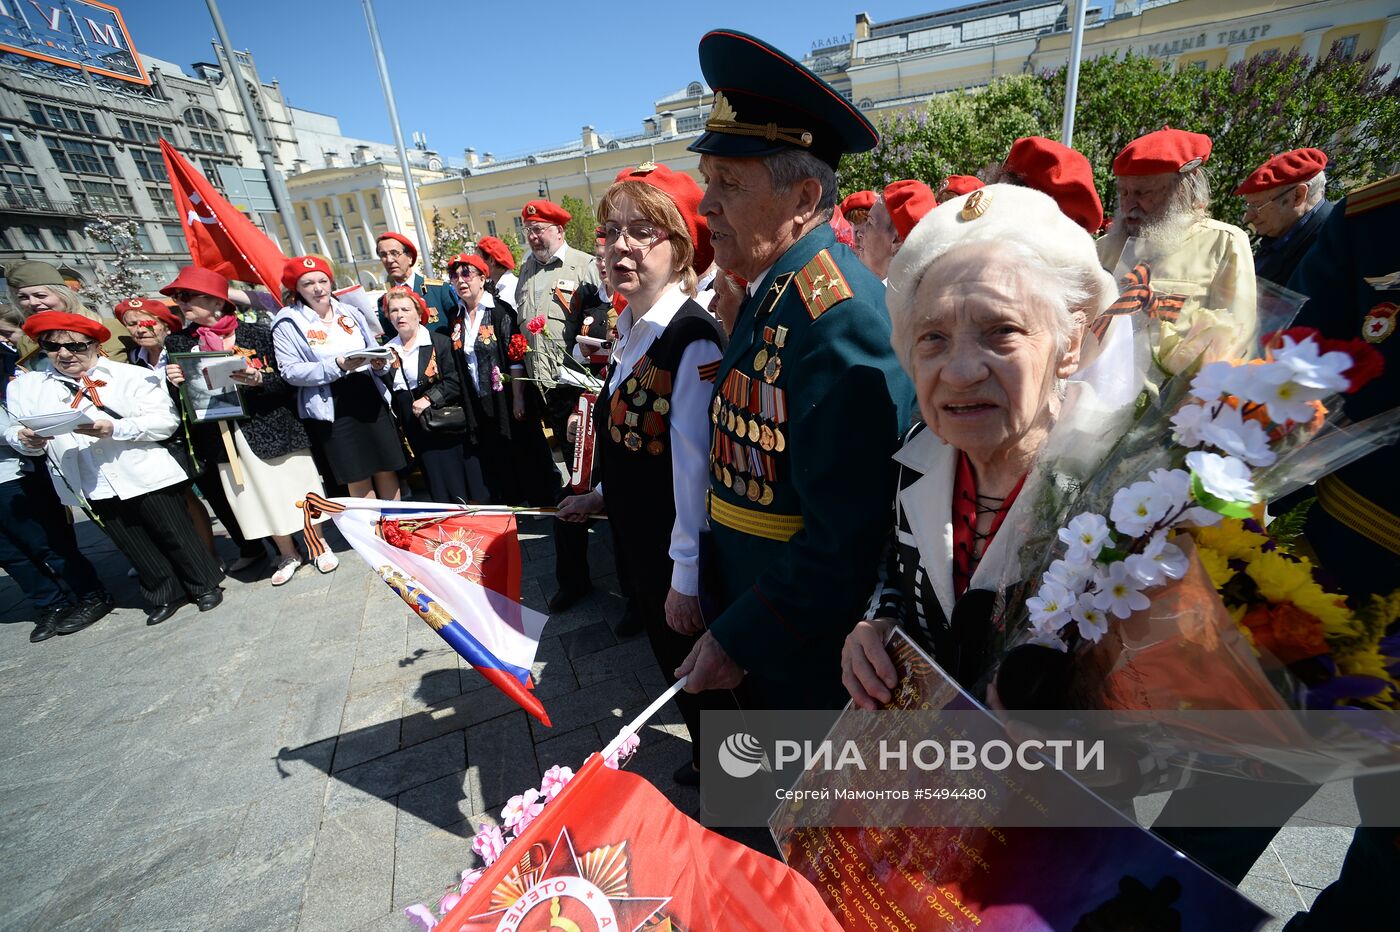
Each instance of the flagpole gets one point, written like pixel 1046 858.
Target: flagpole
pixel 636 724
pixel 423 250
pixel 1076 50
pixel 275 181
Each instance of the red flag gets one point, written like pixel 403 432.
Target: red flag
pixel 220 237
pixel 611 853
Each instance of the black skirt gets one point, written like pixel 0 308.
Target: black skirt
pixel 363 439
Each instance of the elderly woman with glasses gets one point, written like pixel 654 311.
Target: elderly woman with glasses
pixel 653 422
pixel 989 299
pixel 116 464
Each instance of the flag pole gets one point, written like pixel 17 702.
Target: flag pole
pixel 636 724
pixel 1076 50
pixel 275 181
pixel 423 250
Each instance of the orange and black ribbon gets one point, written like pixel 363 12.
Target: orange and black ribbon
pixel 88 389
pixel 1137 297
pixel 313 507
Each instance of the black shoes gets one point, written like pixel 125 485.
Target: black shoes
pixel 85 613
pixel 44 628
pixel 210 600
pixel 565 598
pixel 160 613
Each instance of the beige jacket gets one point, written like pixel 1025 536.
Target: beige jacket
pixel 545 289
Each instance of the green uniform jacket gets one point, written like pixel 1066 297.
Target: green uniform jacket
pixel 837 401
pixel 440 297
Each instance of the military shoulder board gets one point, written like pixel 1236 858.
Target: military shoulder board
pixel 433 282
pixel 709 370
pixel 1372 196
pixel 821 285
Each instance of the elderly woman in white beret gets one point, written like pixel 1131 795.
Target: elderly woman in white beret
pixel 989 298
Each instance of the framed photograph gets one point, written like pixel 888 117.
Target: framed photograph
pixel 207 395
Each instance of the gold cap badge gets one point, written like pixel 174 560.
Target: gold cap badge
pixel 976 205
pixel 723 119
pixel 134 302
pixel 645 168
pixel 309 263
pixel 532 209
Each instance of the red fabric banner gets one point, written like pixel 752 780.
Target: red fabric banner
pixel 220 237
pixel 611 853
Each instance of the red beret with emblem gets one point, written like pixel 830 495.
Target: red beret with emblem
pixel 686 195
pixel 1055 169
pixel 908 201
pixel 545 212
pixel 958 185
pixel 47 321
pixel 496 250
pixel 402 240
pixel 1293 167
pixel 157 309
pixel 861 200
pixel 297 266
pixel 1162 152
pixel 467 258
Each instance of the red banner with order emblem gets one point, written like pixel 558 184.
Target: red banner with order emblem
pixel 611 853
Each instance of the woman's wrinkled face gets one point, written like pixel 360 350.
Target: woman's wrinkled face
pixel 984 358
pixel 315 288
pixel 59 345
pixel 403 314
pixel 199 309
pixel 635 267
pixel 147 331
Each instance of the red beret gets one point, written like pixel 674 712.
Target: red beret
pixel 47 321
pixel 1166 150
pixel 496 250
pixel 403 291
pixel 545 212
pixel 1289 168
pixel 157 309
pixel 402 240
pixel 861 200
pixel 475 262
pixel 297 266
pixel 958 185
pixel 908 201
pixel 686 195
pixel 200 281
pixel 1061 172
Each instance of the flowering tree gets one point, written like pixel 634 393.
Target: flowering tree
pixel 119 277
pixel 449 239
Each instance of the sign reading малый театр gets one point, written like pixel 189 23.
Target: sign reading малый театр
pixel 71 33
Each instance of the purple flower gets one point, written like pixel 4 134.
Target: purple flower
pixel 421 915
pixel 1330 695
pixel 497 383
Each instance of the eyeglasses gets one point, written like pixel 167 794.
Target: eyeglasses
pixel 77 349
pixel 638 234
pixel 538 229
pixel 392 254
pixel 1259 208
pixel 464 271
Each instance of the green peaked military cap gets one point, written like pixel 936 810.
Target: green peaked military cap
pixel 766 102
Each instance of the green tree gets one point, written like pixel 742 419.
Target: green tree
pixel 579 231
pixel 513 244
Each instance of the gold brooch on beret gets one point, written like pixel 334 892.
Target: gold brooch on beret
pixel 134 302
pixel 976 205
pixel 309 263
pixel 645 168
pixel 532 209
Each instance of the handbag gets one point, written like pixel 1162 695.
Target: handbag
pixel 444 419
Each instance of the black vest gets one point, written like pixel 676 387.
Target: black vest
pixel 632 452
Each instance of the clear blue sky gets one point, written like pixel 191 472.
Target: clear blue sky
pixel 532 72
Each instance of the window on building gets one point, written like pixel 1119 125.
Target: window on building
pixel 149 165
pixel 210 167
pixel 11 153
pixel 349 205
pixel 519 228
pixel 1199 64
pixel 689 124
pixel 374 200
pixel 33 237
pixel 75 155
pixel 60 236
pixel 143 238
pixel 141 131
pixel 360 245
pixel 162 200
pixel 326 208
pixel 4 240
pixel 200 118
pixel 339 251
pixel 305 214
pixel 490 228
pixel 174 236
pixel 79 121
pixel 101 197
pixel 1345 47
pixel 22 189
pixel 311 246
pixel 212 142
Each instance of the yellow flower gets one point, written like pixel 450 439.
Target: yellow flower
pixel 1216 566
pixel 1231 539
pixel 1277 577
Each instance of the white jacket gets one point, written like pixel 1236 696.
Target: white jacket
pixel 129 463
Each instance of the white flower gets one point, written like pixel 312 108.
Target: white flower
pixel 1118 593
pixel 1324 371
pixel 1274 385
pixel 1187 421
pixel 1176 485
pixel 1070 574
pixel 1222 476
pixel 1092 622
pixel 521 810
pixel 1232 434
pixel 1048 639
pixel 554 780
pixel 1050 607
pixel 1138 507
pixel 1214 379
pixel 1085 534
pixel 1158 562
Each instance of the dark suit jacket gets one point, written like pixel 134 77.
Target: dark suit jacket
pixel 1275 262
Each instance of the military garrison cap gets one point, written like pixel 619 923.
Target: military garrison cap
pixel 766 102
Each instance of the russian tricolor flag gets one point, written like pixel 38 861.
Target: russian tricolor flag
pixel 458 569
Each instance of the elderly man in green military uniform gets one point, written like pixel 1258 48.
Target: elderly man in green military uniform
pixel 809 400
pixel 398 255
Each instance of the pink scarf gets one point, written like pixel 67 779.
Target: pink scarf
pixel 211 338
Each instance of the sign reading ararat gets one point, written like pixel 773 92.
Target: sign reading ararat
pixel 74 33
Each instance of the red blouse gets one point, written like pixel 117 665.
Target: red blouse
pixel 966 507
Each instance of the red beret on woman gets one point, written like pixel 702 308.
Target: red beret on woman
pixel 908 201
pixel 1162 152
pixel 861 200
pixel 157 309
pixel 46 321
pixel 402 240
pixel 467 258
pixel 686 195
pixel 957 186
pixel 496 250
pixel 1055 169
pixel 297 266
pixel 542 211
pixel 1293 167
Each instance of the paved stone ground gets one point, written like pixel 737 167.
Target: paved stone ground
pixel 313 757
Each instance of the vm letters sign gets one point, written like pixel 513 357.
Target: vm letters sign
pixel 75 34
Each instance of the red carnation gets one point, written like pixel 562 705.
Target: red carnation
pixel 395 535
pixel 535 324
pixel 517 348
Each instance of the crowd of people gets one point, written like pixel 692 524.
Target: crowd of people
pixel 777 368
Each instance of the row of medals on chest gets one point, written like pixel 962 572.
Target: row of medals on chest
pixel 740 418
pixel 640 400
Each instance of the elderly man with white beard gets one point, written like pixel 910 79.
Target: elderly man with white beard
pixel 1195 275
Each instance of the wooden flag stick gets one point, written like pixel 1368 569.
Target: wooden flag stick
pixel 233 463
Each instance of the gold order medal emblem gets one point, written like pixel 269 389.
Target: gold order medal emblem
pixel 656 448
pixel 755 490
pixel 732 422
pixel 728 479
pixel 532 209
pixel 779 442
pixel 308 263
pixel 760 359
pixel 772 370
pixel 616 434
pixel 644 168
pixel 632 441
pixel 976 205
pixel 134 302
pixel 629 387
pixel 661 406
pixel 767 497
pixel 715 405
pixel 640 399
pixel 753 430
pixel 765 437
